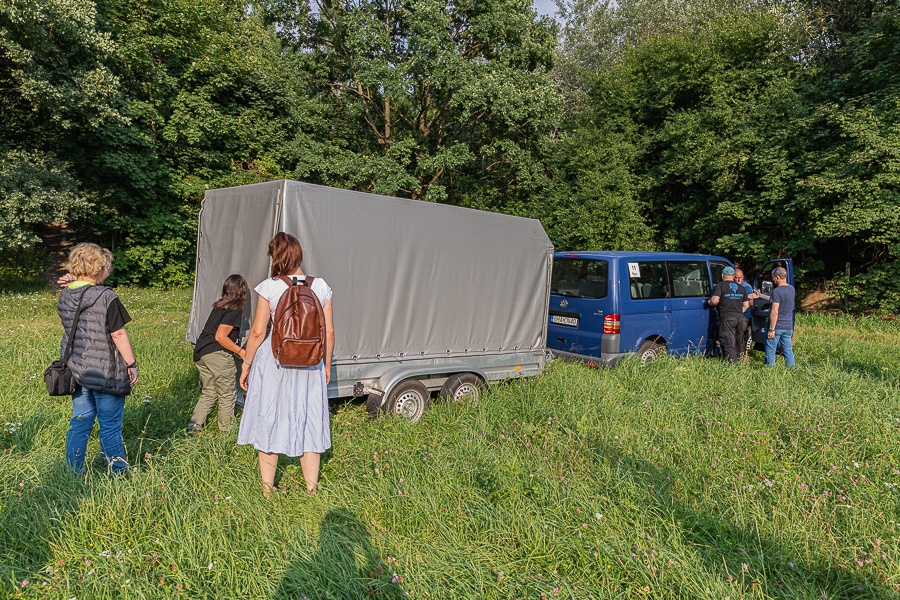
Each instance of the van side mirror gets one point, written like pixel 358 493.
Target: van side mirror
pixel 766 288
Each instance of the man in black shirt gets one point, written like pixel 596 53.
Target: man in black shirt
pixel 731 300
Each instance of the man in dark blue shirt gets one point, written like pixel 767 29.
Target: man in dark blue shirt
pixel 731 300
pixel 781 320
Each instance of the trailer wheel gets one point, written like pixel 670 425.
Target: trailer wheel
pixel 410 399
pixel 462 387
pixel 373 406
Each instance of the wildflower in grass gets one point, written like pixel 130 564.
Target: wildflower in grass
pixel 25 582
pixel 791 565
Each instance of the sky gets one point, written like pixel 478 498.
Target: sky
pixel 545 7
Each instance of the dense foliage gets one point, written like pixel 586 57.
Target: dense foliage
pixel 748 129
pixel 753 129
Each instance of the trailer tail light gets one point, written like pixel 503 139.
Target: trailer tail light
pixel 611 323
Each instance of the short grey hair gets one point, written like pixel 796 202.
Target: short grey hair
pixel 780 273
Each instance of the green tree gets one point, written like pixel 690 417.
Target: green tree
pixel 55 87
pixel 210 102
pixel 849 171
pixel 430 100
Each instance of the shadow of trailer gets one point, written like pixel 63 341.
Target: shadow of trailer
pixel 427 297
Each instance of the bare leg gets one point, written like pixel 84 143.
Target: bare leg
pixel 268 462
pixel 309 464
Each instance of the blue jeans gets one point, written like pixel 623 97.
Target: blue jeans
pixel 108 410
pixel 782 337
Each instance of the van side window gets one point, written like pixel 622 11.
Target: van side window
pixel 647 280
pixel 689 279
pixel 716 268
pixel 580 278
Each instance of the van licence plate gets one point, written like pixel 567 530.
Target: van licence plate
pixel 561 320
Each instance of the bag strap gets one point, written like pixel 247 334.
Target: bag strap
pixel 71 340
pixel 291 282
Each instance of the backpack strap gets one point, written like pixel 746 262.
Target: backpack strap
pixel 307 281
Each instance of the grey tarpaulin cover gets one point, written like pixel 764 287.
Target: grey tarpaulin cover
pixel 410 278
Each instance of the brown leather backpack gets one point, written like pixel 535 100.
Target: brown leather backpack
pixel 298 330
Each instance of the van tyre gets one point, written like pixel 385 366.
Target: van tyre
pixel 409 400
pixel 650 350
pixel 462 387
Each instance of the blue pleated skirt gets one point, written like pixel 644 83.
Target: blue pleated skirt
pixel 286 410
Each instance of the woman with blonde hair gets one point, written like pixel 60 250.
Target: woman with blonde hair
pixel 101 361
pixel 286 409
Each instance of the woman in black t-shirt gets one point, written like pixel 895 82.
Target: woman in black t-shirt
pixel 214 355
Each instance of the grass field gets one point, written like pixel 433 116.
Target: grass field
pixel 681 479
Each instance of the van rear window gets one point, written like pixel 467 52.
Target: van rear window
pixel 580 278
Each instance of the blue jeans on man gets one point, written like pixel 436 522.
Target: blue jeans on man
pixel 782 337
pixel 108 411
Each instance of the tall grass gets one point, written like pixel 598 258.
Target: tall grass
pixel 681 479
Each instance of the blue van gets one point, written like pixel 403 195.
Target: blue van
pixel 606 305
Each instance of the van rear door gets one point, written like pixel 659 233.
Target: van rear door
pixel 579 300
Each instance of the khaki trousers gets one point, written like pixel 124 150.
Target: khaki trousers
pixel 217 376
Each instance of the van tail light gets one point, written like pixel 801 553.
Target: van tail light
pixel 611 323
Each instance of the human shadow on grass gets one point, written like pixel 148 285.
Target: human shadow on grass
pixel 723 547
pixel 42 503
pixel 32 513
pixel 345 566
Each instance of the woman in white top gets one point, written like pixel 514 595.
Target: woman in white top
pixel 286 409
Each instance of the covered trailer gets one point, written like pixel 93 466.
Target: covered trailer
pixel 427 297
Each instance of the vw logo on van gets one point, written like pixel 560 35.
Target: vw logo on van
pixel 563 303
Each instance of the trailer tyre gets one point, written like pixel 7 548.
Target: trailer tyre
pixel 409 400
pixel 374 407
pixel 462 387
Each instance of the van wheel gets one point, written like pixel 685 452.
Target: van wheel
pixel 462 387
pixel 409 400
pixel 650 350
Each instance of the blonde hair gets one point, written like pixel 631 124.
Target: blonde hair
pixel 89 260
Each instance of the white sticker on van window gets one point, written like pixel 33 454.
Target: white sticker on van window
pixel 634 270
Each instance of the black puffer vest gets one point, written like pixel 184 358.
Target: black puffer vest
pixel 95 362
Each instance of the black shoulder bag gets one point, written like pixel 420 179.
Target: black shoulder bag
pixel 58 377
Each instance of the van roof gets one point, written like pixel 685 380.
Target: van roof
pixel 629 254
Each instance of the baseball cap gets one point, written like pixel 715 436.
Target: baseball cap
pixel 728 271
